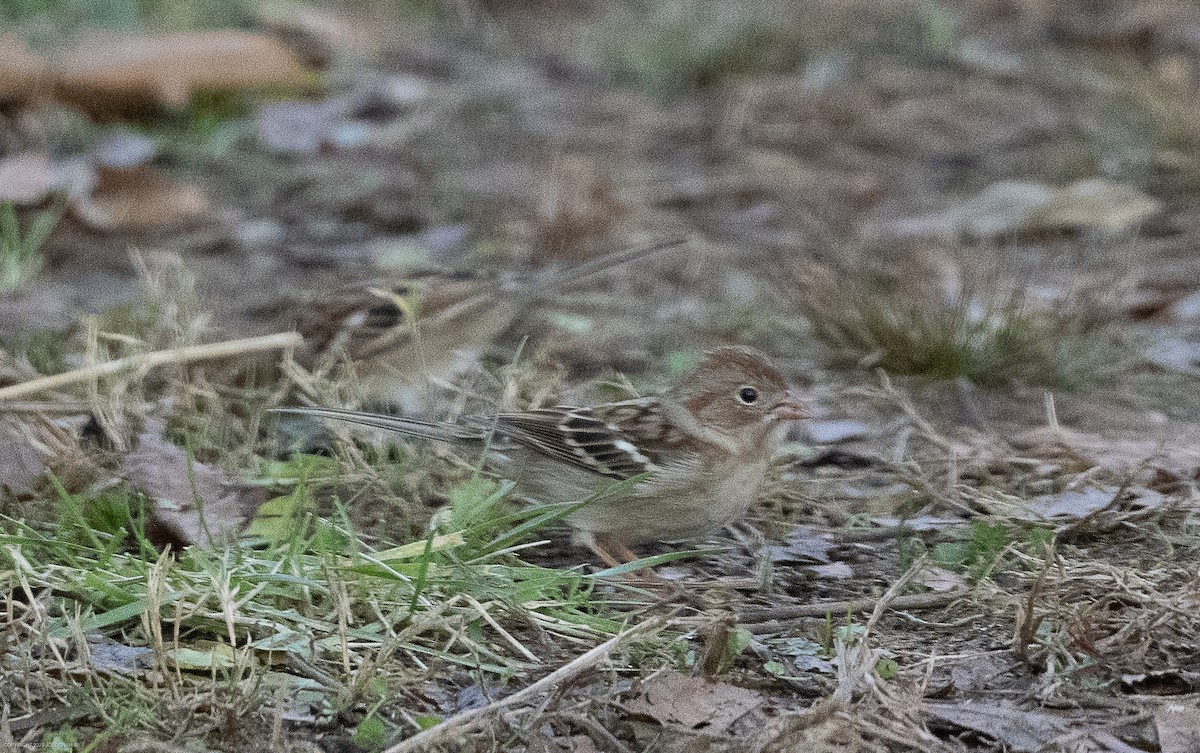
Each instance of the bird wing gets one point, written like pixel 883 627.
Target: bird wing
pixel 598 439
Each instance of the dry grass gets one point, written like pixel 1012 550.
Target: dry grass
pixel 912 322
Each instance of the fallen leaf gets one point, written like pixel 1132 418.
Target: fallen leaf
pixel 109 74
pixel 1175 354
pixel 1186 308
pixel 124 150
pixel 193 503
pixel 297 127
pixel 833 571
pixel 1097 204
pixel 1178 728
pixel 1011 207
pixel 1176 455
pixel 1016 729
pixel 22 72
pixel 140 197
pixel 1161 682
pixel 976 673
pixel 920 523
pixel 940 579
pixel 27 178
pixel 106 655
pixel 693 704
pixel 30 442
pixel 804 544
pixel 1072 504
pixel 833 432
pixel 23 463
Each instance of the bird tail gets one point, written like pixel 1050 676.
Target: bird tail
pixel 441 432
pixel 556 279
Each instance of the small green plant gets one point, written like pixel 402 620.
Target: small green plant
pixel 978 553
pixel 20 250
pixel 676 50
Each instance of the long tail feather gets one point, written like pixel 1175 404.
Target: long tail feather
pixel 559 278
pixel 416 427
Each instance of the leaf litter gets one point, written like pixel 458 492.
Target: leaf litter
pixel 1072 529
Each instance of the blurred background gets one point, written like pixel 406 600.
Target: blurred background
pixel 277 150
pixel 967 229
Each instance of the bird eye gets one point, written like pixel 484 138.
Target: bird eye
pixel 748 395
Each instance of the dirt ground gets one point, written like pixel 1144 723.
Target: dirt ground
pixel 968 230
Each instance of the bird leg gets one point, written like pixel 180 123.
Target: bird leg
pixel 603 554
pixel 624 555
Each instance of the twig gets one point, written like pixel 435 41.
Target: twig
pixel 147 361
pixel 768 619
pixel 461 723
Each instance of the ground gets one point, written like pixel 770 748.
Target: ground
pixel 966 230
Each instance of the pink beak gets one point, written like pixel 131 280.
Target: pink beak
pixel 793 407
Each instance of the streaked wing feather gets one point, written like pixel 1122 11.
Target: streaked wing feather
pixel 575 436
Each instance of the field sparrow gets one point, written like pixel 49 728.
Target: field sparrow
pixel 705 444
pixel 404 334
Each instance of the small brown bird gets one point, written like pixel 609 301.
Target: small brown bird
pixel 705 445
pixel 404 334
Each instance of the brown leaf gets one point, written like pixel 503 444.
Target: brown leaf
pixel 140 197
pixel 111 75
pixel 1178 726
pixel 21 70
pixel 194 503
pixel 693 704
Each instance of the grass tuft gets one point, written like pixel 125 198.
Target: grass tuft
pixel 20 248
pixel 992 338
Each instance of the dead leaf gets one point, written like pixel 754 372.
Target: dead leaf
pixel 23 464
pixel 1186 308
pixel 107 655
pixel 1098 204
pixel 30 442
pixel 1176 455
pixel 27 178
pixel 124 150
pixel 833 571
pixel 22 72
pixel 940 579
pixel 835 431
pixel 1011 207
pixel 140 197
pixel 1178 728
pixel 107 74
pixel 1016 729
pixel 920 523
pixel 193 503
pixel 804 544
pixel 297 127
pixel 975 674
pixel 1073 505
pixel 1175 354
pixel 693 704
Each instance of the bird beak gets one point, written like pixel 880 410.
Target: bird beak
pixel 793 407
